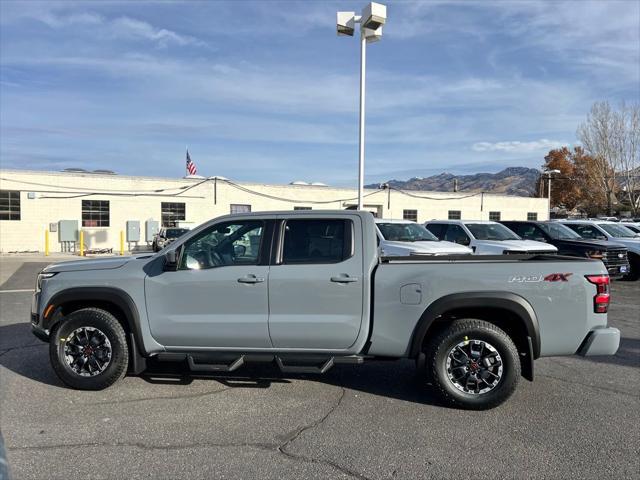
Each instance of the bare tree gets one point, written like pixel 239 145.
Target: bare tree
pixel 627 148
pixel 596 136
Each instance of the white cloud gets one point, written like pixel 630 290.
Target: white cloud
pixel 130 27
pixel 517 146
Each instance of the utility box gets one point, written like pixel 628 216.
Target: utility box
pixel 67 231
pixel 133 230
pixel 151 229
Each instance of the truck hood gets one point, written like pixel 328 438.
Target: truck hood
pixel 519 245
pixel 93 264
pixel 433 247
pixel 632 244
pixel 593 244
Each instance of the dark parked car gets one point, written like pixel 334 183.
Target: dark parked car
pixel 167 235
pixel 568 242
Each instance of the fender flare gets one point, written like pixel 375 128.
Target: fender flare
pixel 113 295
pixel 511 302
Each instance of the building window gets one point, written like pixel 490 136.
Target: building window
pixel 9 205
pixel 455 215
pixel 237 208
pixel 95 213
pixel 532 216
pixel 302 208
pixel 410 215
pixel 172 213
pixel 494 216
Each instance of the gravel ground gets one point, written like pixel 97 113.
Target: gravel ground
pixel 579 419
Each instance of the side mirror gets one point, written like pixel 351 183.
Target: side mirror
pixel 463 241
pixel 171 260
pixel 239 250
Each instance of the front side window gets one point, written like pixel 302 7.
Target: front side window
pixel 410 215
pixel 491 231
pixel 455 215
pixel 405 232
pixel 224 244
pixel 587 231
pixel 9 205
pixel 317 241
pixel 557 231
pixel 494 216
pixel 95 213
pixel 456 234
pixel 172 213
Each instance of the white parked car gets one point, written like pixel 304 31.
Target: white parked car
pixel 404 238
pixel 486 238
pixel 614 232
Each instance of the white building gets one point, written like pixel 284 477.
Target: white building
pixel 32 202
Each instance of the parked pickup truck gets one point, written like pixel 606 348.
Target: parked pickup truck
pixel 307 290
pixel 404 238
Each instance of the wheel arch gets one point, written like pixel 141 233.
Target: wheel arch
pixel 509 311
pixel 112 299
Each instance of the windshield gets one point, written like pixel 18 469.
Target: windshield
pixel 176 232
pixel 616 230
pixel 491 231
pixel 405 232
pixel 559 232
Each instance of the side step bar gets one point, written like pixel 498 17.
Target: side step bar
pixel 215 367
pixel 286 363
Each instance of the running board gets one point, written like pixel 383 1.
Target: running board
pixel 320 368
pixel 215 367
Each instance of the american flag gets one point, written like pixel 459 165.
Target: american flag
pixel 191 167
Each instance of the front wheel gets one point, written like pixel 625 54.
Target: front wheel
pixel 472 364
pixel 88 349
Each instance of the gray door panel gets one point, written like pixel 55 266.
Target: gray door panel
pixel 317 305
pixel 218 307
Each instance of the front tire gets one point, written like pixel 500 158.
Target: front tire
pixel 472 364
pixel 88 349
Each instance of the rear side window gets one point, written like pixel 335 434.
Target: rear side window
pixel 317 241
pixel 437 229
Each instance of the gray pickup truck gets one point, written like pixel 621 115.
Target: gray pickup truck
pixel 308 290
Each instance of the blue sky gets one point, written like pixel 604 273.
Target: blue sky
pixel 266 91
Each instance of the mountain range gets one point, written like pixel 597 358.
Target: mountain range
pixel 520 181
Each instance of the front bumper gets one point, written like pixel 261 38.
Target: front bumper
pixel 600 341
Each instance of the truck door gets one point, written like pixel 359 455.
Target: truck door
pixel 316 284
pixel 218 296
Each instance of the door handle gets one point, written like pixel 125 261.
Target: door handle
pixel 344 279
pixel 250 279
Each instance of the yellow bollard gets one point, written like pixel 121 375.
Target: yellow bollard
pixel 46 243
pixel 81 243
pixel 121 242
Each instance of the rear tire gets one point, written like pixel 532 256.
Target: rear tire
pixel 88 349
pixel 472 364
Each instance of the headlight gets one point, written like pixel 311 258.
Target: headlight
pixel 597 254
pixel 41 277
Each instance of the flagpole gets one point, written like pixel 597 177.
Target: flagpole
pixel 186 170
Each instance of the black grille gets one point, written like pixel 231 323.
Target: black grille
pixel 615 258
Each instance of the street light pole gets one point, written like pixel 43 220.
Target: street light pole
pixel 363 69
pixel 549 173
pixel 374 15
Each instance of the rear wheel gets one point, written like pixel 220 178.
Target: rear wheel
pixel 472 364
pixel 88 349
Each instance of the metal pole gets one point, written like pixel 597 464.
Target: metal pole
pixel 363 63
pixel 549 195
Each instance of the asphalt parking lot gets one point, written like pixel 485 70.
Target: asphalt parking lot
pixel 579 419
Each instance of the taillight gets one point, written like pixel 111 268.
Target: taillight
pixel 602 297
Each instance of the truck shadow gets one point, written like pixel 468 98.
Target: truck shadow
pixel 628 354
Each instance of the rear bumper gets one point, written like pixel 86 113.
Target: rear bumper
pixel 601 341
